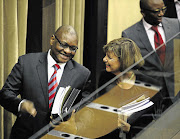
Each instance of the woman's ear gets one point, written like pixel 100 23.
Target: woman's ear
pixel 52 39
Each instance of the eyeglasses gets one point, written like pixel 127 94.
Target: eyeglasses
pixel 64 46
pixel 157 11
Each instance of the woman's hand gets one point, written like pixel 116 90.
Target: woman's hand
pixel 123 125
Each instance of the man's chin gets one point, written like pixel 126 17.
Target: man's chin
pixel 156 23
pixel 159 21
pixel 64 58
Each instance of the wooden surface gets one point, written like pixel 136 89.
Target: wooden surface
pixel 96 122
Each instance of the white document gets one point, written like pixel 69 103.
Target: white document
pixel 135 106
pixel 56 108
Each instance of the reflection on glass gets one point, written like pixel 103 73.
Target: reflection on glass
pixel 100 115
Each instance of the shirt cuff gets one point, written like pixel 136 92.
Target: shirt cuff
pixel 20 104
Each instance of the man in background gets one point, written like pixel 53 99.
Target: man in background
pixel 149 33
pixel 37 77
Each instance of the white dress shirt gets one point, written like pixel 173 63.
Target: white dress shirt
pixel 151 33
pixel 55 108
pixel 51 62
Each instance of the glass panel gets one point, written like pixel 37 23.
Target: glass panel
pixel 149 105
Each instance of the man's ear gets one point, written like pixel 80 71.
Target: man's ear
pixel 142 12
pixel 52 39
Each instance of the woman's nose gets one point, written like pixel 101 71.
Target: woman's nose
pixel 104 59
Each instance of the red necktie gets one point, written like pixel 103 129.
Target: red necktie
pixel 52 85
pixel 159 41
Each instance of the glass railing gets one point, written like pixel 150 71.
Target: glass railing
pixel 149 104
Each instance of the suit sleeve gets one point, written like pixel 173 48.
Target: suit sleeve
pixel 12 88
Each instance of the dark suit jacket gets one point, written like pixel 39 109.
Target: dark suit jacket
pixel 29 78
pixel 153 67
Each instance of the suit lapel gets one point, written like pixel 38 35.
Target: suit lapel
pixel 143 36
pixel 167 30
pixel 42 74
pixel 67 75
pixel 146 43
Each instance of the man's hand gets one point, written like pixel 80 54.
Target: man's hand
pixel 68 126
pixel 28 106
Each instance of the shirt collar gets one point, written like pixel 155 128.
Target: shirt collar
pixel 51 61
pixel 148 26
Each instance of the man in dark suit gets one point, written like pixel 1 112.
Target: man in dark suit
pixel 29 78
pixel 143 35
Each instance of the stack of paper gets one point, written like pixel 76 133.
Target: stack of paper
pixel 135 106
pixel 64 99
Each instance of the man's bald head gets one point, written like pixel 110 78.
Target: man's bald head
pixel 62 31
